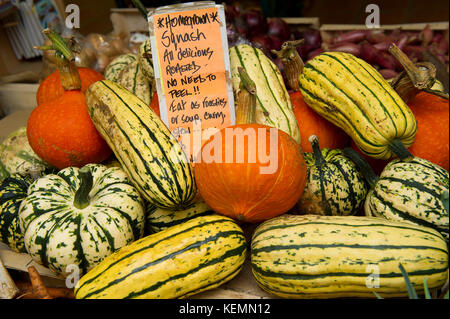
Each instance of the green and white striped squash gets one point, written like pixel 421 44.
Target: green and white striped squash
pixel 13 190
pixel 334 185
pixel 411 192
pixel 183 260
pixel 116 66
pixel 80 216
pixel 312 256
pixel 158 219
pixel 351 94
pixel 17 156
pixel 273 107
pixel 144 146
pixel 133 79
pixel 146 62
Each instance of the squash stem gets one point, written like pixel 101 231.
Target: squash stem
pixel 292 62
pixel 416 77
pixel 81 199
pixel 141 8
pixel 363 166
pixel 397 147
pixel 246 100
pixel 318 157
pixel 70 78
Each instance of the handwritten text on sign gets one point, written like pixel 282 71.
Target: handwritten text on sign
pixel 192 68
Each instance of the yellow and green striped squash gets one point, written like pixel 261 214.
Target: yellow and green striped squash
pixel 183 260
pixel 351 94
pixel 273 104
pixel 311 256
pixel 142 143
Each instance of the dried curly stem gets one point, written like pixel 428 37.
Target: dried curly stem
pixel 292 62
pixel 415 78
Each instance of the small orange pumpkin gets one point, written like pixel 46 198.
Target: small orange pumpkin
pixel 253 172
pixel 51 87
pixel 60 131
pixel 432 138
pixel 311 123
pixel 241 190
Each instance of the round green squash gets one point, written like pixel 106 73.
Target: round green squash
pixel 16 155
pixel 80 216
pixel 408 191
pixel 13 190
pixel 334 185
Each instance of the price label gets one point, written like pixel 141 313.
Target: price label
pixel 192 71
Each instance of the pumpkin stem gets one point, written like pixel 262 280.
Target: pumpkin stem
pixel 397 147
pixel 246 100
pixel 141 8
pixel 292 62
pixel 416 77
pixel 70 78
pixel 318 156
pixel 363 166
pixel 81 199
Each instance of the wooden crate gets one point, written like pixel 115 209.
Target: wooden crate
pixel 130 20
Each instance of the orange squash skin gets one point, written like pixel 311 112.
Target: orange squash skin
pixel 310 123
pixel 240 191
pixel 432 138
pixel 154 104
pixel 62 133
pixel 51 88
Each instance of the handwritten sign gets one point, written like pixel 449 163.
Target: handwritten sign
pixel 191 62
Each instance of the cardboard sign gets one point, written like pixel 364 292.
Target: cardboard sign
pixel 192 71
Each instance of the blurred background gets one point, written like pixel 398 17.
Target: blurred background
pixel 109 28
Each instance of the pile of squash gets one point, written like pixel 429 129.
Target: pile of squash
pixel 112 192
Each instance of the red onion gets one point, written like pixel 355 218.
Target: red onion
pixel 276 42
pixel 241 26
pixel 402 42
pixel 376 36
pixel 314 53
pixel 388 74
pixel 312 38
pixel 347 47
pixel 382 46
pixel 387 61
pixel 369 52
pixel 256 22
pixel 279 28
pixel 262 42
pixel 231 12
pixel 426 35
pixel 351 36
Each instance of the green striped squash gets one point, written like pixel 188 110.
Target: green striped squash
pixel 116 66
pixel 13 190
pixel 273 107
pixel 351 94
pixel 158 219
pixel 411 191
pixel 17 156
pixel 334 185
pixel 146 62
pixel 178 262
pixel 311 256
pixel 133 79
pixel 80 216
pixel 142 143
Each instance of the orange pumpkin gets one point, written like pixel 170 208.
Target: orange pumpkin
pixel 241 189
pixel 51 87
pixel 432 138
pixel 60 131
pixel 311 123
pixel 154 104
